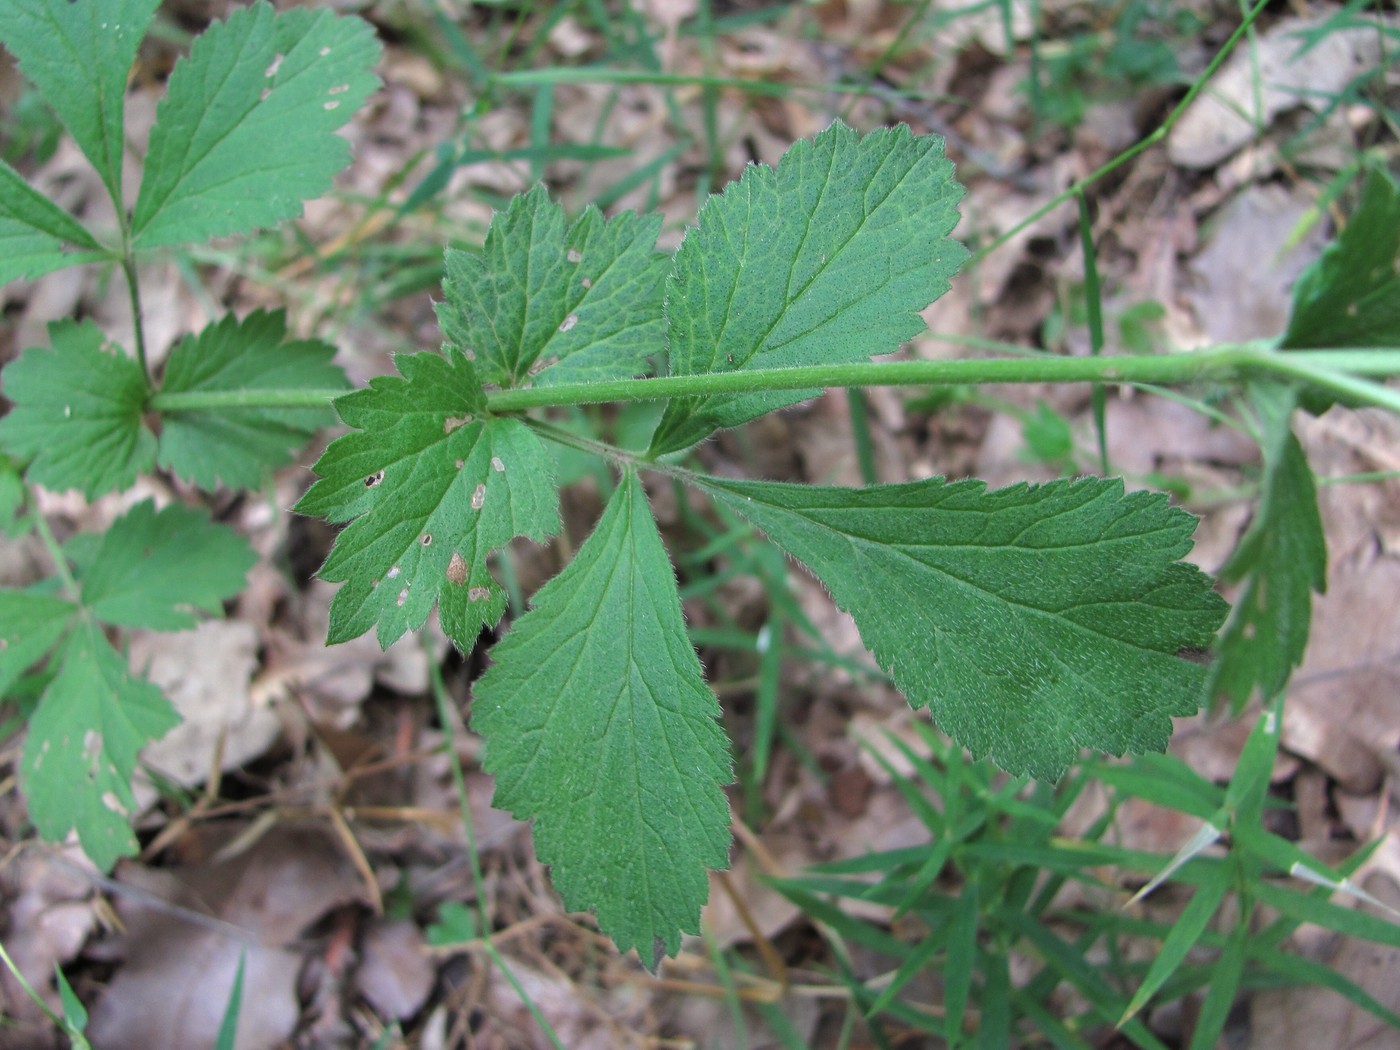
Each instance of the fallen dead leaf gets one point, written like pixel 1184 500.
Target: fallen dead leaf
pixel 50 912
pixel 395 974
pixel 188 928
pixel 1309 1017
pixel 1276 71
pixel 205 673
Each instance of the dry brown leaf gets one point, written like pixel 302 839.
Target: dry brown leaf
pixel 205 673
pixel 395 974
pixel 1245 274
pixel 49 914
pixel 1310 1017
pixel 187 929
pixel 1224 118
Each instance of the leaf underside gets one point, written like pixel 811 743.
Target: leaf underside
pixel 546 301
pixel 1032 621
pixel 599 727
pixel 826 258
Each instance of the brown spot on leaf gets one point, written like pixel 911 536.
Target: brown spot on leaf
pixel 457 569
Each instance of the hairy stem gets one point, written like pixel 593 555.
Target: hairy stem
pixel 1340 371
pixel 133 291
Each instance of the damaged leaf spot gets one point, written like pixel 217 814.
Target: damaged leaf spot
pixel 403 597
pixel 478 594
pixel 497 465
pixel 427 539
pixel 392 573
pixel 451 423
pixel 574 255
pixel 457 569
pixel 569 322
pixel 479 497
pixel 374 479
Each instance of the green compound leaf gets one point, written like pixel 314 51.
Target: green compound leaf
pixel 156 569
pixel 80 752
pixel 78 53
pixel 237 446
pixel 826 259
pixel 433 484
pixel 30 624
pixel 1351 295
pixel 1033 621
pixel 247 129
pixel 36 235
pixel 557 302
pixel 599 727
pixel 1281 559
pixel 77 413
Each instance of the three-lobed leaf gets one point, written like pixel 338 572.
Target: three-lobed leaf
pixel 152 569
pixel 246 131
pixel 1032 621
pixel 555 302
pixel 826 258
pixel 433 485
pixel 79 412
pixel 598 726
pixel 237 446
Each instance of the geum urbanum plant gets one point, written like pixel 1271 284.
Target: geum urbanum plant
pixel 245 132
pixel 1033 621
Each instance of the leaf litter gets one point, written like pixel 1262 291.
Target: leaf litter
pixel 816 813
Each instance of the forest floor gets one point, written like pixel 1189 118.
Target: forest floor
pixel 319 834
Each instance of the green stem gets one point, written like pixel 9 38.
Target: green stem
pixel 133 290
pixel 71 590
pixel 1339 371
pixel 608 75
pixel 275 397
